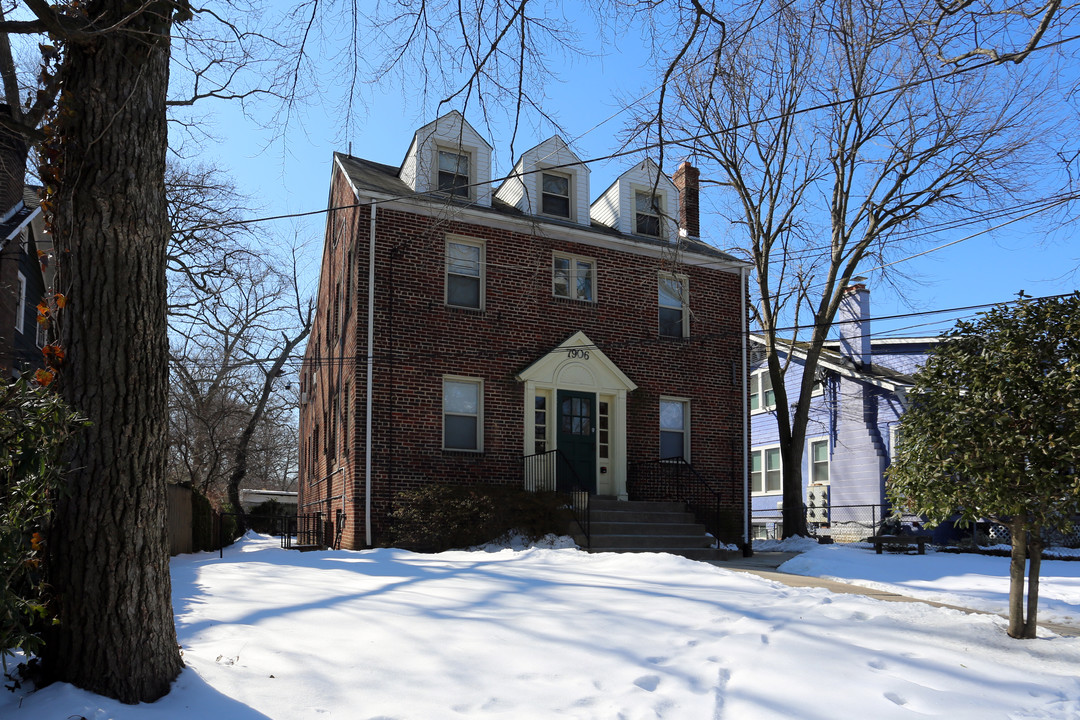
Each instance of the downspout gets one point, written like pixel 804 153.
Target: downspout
pixel 370 377
pixel 748 549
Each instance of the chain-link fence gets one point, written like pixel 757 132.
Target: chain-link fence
pixel 851 524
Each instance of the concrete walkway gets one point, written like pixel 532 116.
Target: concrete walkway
pixel 766 564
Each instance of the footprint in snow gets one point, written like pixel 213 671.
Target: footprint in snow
pixel 894 698
pixel 648 683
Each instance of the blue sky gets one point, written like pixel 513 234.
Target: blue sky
pixel 290 173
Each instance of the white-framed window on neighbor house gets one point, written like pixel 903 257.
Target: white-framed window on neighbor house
pixel 674 429
pixel 464 273
pixel 573 277
pixel 20 303
pixel 463 414
pixel 766 471
pixel 819 461
pixel 762 397
pixel 555 194
pixel 647 213
pixel 674 299
pixel 453 174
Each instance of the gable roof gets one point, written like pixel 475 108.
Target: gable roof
pixel 381 179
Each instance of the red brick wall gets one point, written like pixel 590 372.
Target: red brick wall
pixel 419 340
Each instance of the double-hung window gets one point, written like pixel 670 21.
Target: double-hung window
pixel 463 407
pixel 20 304
pixel 647 213
pixel 674 429
pixel 819 461
pixel 555 194
pixel 453 174
pixel 766 474
pixel 674 321
pixel 762 396
pixel 464 274
pixel 573 277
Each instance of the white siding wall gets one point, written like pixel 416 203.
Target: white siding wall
pixel 512 191
pixel 615 208
pixel 524 192
pixel 606 208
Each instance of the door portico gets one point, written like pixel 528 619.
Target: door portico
pixel 573 388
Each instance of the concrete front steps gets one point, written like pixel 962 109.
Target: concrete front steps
pixel 625 526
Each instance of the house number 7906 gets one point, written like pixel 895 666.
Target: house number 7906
pixel 576 353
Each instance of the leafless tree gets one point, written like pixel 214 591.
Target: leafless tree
pixel 831 135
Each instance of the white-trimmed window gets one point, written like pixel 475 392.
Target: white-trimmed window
pixel 463 412
pixel 465 273
pixel 762 397
pixel 766 471
pixel 453 173
pixel 541 406
pixel 555 194
pixel 674 429
pixel 647 213
pixel 674 298
pixel 819 461
pixel 573 277
pixel 20 303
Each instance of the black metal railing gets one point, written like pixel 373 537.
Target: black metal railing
pixel 306 531
pixel 676 480
pixel 551 472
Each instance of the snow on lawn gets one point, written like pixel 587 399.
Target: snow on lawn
pixel 545 633
pixel 980 582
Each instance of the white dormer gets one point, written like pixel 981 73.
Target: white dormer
pixel 448 156
pixel 638 204
pixel 551 181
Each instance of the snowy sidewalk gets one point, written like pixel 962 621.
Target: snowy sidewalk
pixel 767 565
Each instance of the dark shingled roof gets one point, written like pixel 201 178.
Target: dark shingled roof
pixel 383 179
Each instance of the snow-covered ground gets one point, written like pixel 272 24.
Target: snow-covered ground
pixel 546 633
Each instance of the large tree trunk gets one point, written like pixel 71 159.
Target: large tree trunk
pixel 109 562
pixel 1035 548
pixel 1017 566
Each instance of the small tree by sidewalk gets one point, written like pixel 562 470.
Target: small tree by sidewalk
pixel 993 431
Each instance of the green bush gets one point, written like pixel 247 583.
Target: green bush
pixel 34 425
pixel 441 516
pixel 263 518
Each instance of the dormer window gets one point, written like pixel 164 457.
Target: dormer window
pixel 647 214
pixel 555 195
pixel 453 176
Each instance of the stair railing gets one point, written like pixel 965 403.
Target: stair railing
pixel 551 471
pixel 677 480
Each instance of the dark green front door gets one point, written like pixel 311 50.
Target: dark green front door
pixel 576 437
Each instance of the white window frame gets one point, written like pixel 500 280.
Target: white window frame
pixel 569 178
pixel 574 275
pixel 659 201
pixel 20 307
pixel 761 452
pixel 466 190
pixel 478 415
pixel 481 271
pixel 685 430
pixel 757 390
pixel 810 444
pixel 684 306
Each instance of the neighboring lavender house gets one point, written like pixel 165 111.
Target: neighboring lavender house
pixel 858 400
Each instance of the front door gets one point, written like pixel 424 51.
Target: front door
pixel 576 436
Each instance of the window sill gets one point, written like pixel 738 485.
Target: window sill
pixel 573 301
pixel 465 310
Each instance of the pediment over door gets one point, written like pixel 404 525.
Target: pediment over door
pixel 577 363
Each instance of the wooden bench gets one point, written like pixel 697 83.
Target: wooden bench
pixel 882 540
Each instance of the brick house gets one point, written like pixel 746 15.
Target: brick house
pixel 855 411
pixel 494 324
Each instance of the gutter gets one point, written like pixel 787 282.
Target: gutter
pixel 744 272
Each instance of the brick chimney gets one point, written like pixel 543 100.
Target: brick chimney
pixel 853 318
pixel 686 181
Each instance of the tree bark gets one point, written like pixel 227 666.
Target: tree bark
pixel 1017 565
pixel 109 561
pixel 1035 547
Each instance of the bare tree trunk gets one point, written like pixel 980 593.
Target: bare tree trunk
pixel 109 562
pixel 1017 565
